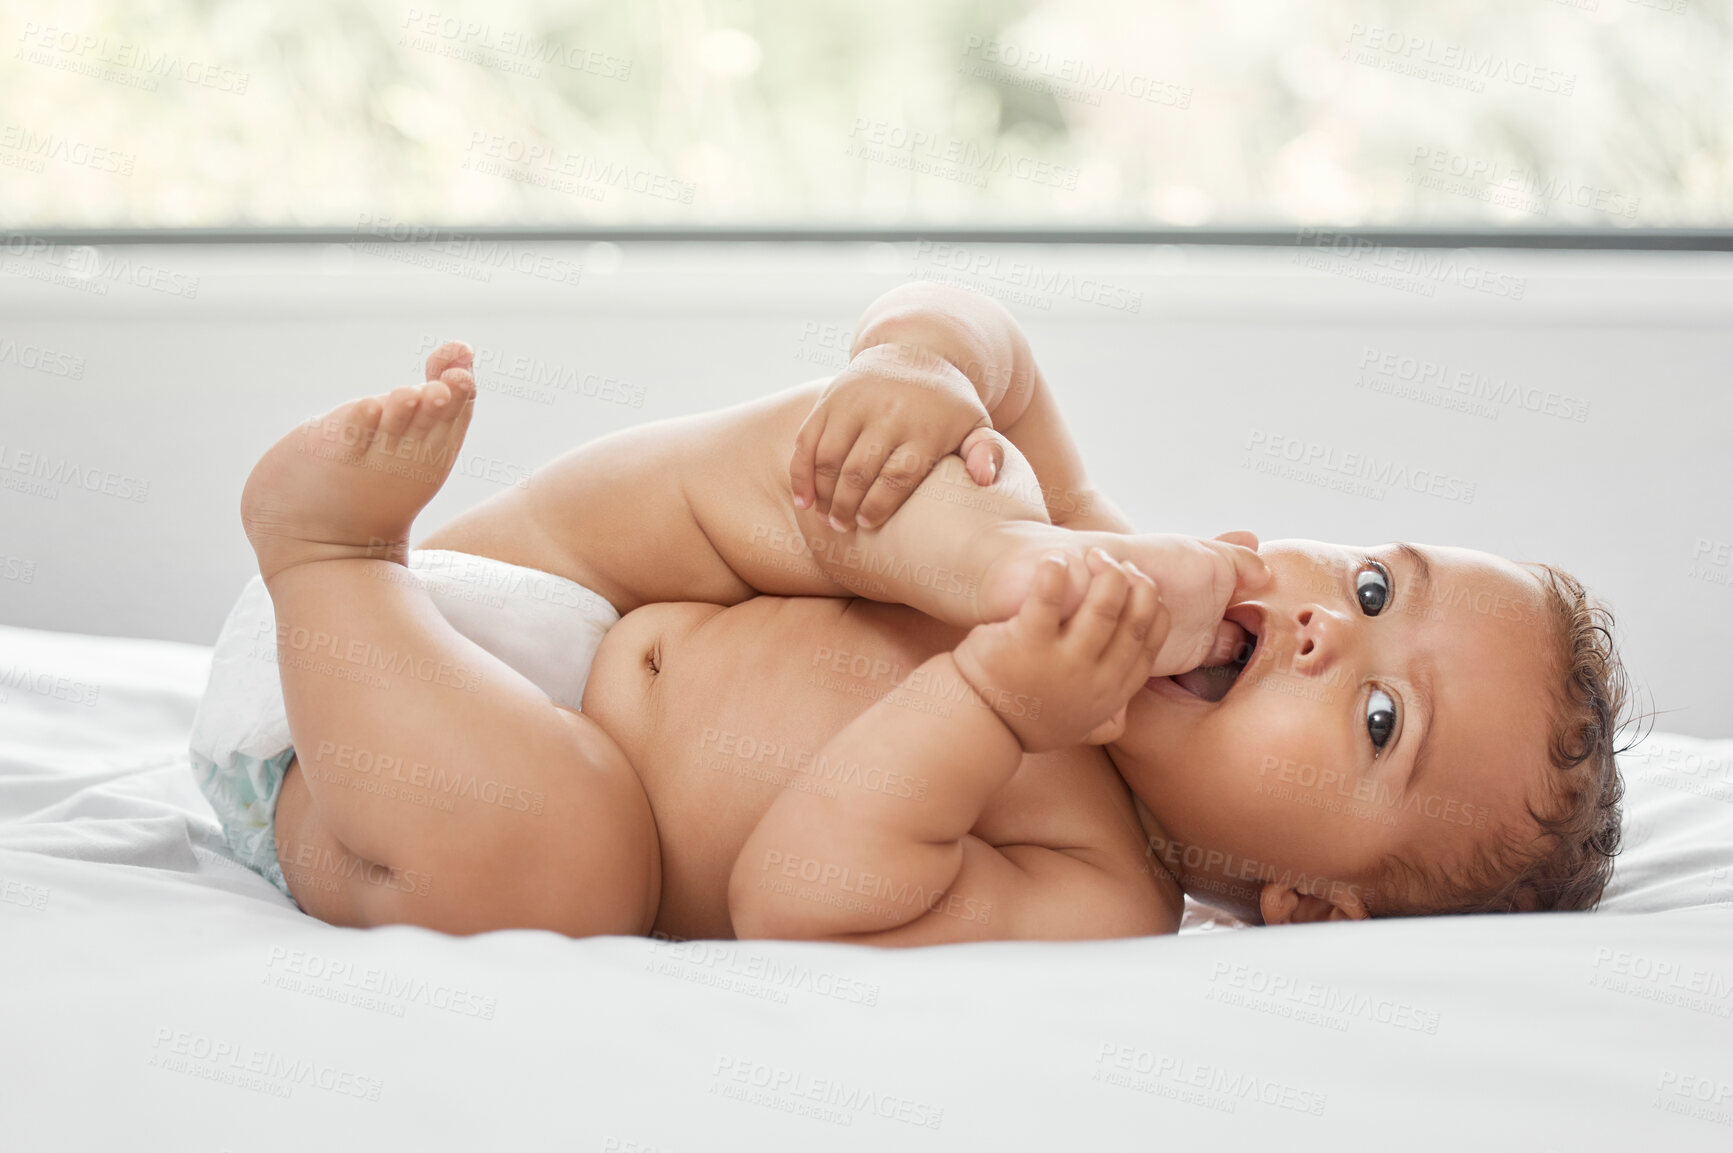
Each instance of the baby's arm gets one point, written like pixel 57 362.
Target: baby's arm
pixel 876 866
pixel 881 423
pixel 701 508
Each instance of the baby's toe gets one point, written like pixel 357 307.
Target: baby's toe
pixel 344 431
pixel 400 406
pixel 435 410
pixel 463 394
pixel 451 354
pixel 359 420
pixel 462 387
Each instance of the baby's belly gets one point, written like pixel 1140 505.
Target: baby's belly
pixel 739 708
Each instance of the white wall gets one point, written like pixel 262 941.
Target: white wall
pixel 1224 346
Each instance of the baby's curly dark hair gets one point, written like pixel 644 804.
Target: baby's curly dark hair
pixel 1564 860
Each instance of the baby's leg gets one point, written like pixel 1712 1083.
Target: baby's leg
pixel 700 508
pixel 963 552
pixel 632 517
pixel 433 785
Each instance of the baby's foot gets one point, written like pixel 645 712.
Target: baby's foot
pixel 1011 552
pixel 350 483
pixel 1010 555
pixel 1196 579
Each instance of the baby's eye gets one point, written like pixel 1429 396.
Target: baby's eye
pixel 1372 586
pixel 1380 719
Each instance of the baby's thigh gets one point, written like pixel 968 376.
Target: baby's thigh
pixel 692 509
pixel 571 848
pixel 326 879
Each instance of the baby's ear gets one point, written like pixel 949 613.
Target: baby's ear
pixel 1285 905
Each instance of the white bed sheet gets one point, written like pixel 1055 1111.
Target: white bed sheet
pixel 154 994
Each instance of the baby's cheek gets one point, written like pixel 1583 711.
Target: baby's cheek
pixel 1277 746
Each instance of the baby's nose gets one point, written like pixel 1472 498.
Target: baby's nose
pixel 1315 638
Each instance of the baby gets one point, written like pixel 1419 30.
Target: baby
pixel 1307 731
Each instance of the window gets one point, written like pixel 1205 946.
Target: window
pixel 1054 113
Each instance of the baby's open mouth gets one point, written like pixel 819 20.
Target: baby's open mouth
pixel 1212 682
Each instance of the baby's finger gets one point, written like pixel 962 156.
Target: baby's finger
pixel 859 472
pixel 800 466
pixel 840 433
pixel 901 473
pixel 1039 613
pixel 1126 651
pixel 1095 621
pixel 1160 627
pixel 983 454
pixel 1160 620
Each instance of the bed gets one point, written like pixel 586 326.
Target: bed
pixel 156 993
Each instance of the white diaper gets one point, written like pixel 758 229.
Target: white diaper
pixel 546 627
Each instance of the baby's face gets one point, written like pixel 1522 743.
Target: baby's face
pixel 1386 708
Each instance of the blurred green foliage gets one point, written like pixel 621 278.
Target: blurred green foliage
pixel 1040 112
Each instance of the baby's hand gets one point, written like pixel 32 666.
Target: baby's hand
pixel 1058 683
pixel 879 428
